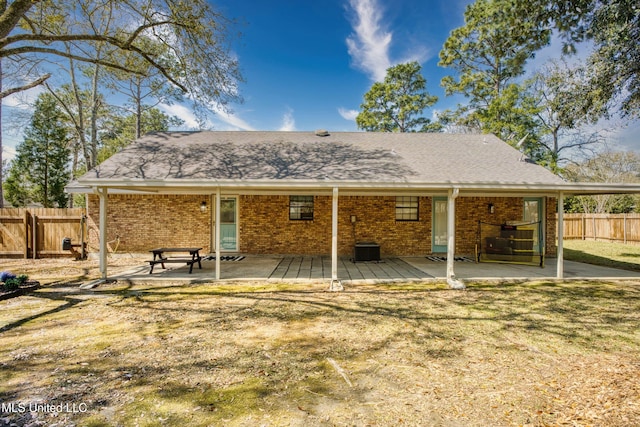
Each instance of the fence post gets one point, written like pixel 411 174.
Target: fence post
pixel 26 234
pixel 35 236
pixel 584 226
pixel 624 228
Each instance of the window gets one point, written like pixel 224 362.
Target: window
pixel 407 208
pixel 301 207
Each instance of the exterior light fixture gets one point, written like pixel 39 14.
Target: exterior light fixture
pixel 203 207
pixel 491 208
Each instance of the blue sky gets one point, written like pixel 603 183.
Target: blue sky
pixel 307 64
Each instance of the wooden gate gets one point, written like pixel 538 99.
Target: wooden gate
pixel 39 232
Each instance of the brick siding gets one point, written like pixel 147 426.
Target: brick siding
pixel 142 222
pixel 145 222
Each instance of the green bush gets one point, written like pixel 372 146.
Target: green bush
pixel 11 285
pixel 11 282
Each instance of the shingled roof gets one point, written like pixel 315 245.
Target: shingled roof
pixel 287 158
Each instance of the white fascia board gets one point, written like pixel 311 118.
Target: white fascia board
pixel 351 187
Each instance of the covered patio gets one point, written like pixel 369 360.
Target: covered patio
pixel 451 183
pixel 315 269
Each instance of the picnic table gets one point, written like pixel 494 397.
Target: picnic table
pixel 160 257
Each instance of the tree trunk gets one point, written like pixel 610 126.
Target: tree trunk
pixel 79 125
pixel 95 108
pixel 138 109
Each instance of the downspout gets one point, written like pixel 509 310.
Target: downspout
pixel 451 239
pixel 560 237
pixel 217 232
pixel 212 227
pixel 103 193
pixel 336 285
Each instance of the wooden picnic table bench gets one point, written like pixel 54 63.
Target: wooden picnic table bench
pixel 160 257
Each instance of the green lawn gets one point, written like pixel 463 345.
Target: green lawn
pixel 607 254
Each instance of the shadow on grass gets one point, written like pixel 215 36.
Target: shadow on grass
pixel 581 256
pixel 68 303
pixel 570 310
pixel 219 352
pixel 630 255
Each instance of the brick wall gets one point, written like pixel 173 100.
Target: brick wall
pixel 143 222
pixel 265 226
pixel 146 221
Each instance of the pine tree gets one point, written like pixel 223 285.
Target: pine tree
pixel 41 167
pixel 397 103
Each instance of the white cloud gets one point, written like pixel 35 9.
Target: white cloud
pixel 231 119
pixel 8 151
pixel 191 122
pixel 288 122
pixel 23 100
pixel 348 114
pixel 181 112
pixel 370 42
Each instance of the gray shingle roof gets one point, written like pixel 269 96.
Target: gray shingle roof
pixel 279 157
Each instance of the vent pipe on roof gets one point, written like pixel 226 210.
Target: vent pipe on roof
pixel 322 132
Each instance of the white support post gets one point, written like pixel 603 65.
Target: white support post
pixel 212 218
pixel 335 282
pixel 103 194
pixel 451 239
pixel 217 233
pixel 560 236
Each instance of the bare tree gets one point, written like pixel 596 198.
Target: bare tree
pixel 609 166
pixel 566 104
pixel 196 58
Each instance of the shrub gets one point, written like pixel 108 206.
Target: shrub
pixel 11 284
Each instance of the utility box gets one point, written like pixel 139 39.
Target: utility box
pixel 366 251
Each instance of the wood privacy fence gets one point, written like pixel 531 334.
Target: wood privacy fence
pixel 39 232
pixel 623 228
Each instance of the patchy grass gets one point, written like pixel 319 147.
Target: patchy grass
pixel 68 270
pixel 608 254
pixel 536 353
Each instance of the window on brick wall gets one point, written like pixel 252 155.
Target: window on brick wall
pixel 300 207
pixel 406 208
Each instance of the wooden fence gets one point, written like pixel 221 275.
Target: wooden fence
pixel 39 232
pixel 623 228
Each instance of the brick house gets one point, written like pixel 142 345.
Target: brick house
pixel 316 193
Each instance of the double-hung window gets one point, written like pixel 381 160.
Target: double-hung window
pixel 407 208
pixel 301 207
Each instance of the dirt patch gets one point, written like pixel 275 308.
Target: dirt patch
pixel 247 354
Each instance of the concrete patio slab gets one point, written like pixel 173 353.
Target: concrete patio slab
pixel 497 271
pixel 318 269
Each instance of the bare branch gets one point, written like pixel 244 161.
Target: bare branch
pixel 52 38
pixel 31 85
